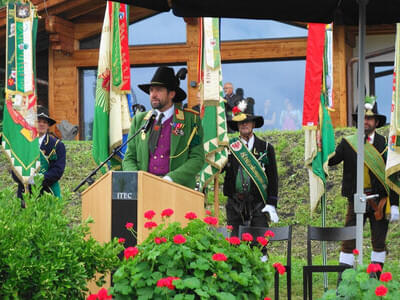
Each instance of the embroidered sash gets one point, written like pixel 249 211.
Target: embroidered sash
pixel 251 165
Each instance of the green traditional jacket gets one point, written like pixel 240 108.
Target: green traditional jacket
pixel 186 151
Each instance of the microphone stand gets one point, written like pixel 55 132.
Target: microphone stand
pixel 89 178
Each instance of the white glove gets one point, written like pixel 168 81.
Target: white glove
pixel 394 213
pixel 31 180
pixel 168 178
pixel 272 213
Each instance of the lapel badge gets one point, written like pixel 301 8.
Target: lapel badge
pixel 143 135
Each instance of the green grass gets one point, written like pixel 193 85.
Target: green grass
pixel 293 204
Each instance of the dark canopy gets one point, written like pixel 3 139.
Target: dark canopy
pixel 318 11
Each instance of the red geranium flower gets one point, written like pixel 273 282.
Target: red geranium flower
pixel 150 225
pixel 149 214
pixel 269 233
pixel 167 282
pixel 234 240
pixel 356 252
pixel 129 225
pixel 208 212
pixel 163 239
pixel 381 291
pixel 247 237
pixel 372 268
pixel 262 241
pixel 167 212
pixel 179 239
pixel 280 268
pixel 267 298
pixel 121 240
pixel 229 227
pixel 190 215
pixel 219 257
pixel 131 252
pixel 211 221
pixel 157 240
pixel 386 277
pixel 103 294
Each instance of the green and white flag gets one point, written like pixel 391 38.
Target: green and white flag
pixel 213 104
pixel 393 158
pixel 19 137
pixel 112 117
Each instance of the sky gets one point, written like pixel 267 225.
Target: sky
pixel 273 80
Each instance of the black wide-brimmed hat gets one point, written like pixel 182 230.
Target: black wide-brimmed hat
pixel 165 77
pixel 43 113
pixel 371 110
pixel 242 113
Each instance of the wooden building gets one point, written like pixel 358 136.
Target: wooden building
pixel 65 25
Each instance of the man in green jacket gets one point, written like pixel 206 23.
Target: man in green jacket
pixel 173 147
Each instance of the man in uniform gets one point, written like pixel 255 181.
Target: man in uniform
pixel 173 149
pixel 251 179
pixel 374 184
pixel 52 157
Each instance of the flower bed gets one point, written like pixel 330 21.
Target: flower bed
pixel 194 262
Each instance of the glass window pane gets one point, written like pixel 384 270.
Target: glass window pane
pixel 383 93
pixel 277 88
pixel 88 99
pixel 242 29
pixel 164 28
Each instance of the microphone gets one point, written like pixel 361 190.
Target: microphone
pixel 149 122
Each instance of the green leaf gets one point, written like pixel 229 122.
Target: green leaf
pixel 192 283
pixel 225 296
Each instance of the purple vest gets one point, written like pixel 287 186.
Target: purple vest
pixel 159 160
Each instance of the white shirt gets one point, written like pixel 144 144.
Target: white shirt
pixel 371 138
pixel 249 143
pixel 167 114
pixel 41 140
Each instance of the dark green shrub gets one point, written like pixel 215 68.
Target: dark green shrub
pixel 43 255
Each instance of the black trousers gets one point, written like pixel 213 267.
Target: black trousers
pixel 235 218
pixel 378 229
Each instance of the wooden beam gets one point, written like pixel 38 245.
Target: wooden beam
pixel 192 42
pixel 61 34
pixel 339 115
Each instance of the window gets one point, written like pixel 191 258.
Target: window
pixel 277 88
pixel 139 75
pixel 87 78
pixel 381 85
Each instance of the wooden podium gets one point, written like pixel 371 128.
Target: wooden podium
pixel 120 197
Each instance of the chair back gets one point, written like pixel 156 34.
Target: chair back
pixel 280 234
pixel 328 234
pixel 223 230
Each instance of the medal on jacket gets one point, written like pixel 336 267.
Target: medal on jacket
pixel 177 128
pixel 143 135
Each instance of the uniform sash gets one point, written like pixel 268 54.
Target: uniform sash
pixel 44 166
pixel 372 159
pixel 251 165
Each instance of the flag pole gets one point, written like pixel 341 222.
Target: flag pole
pixel 324 254
pixel 216 196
